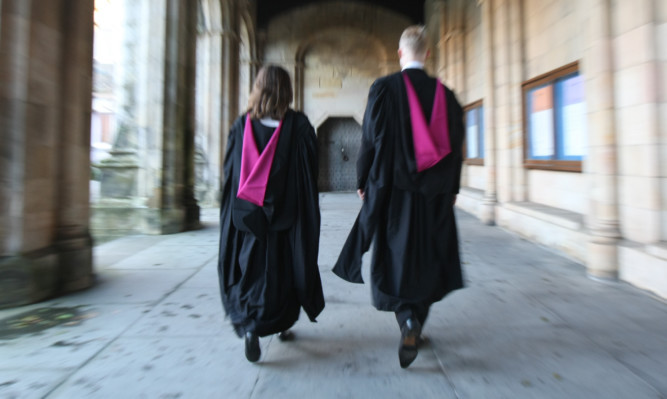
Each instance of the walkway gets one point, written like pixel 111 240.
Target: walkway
pixel 529 325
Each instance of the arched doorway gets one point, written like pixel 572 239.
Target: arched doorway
pixel 339 140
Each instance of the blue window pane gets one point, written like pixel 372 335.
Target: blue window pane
pixel 472 134
pixel 572 132
pixel 481 131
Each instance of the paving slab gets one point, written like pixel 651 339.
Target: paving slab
pixel 161 256
pixel 350 352
pixel 205 277
pixel 30 384
pixel 186 312
pixel 129 286
pixel 164 368
pixel 536 362
pixel 70 343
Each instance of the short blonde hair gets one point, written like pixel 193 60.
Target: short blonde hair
pixel 414 39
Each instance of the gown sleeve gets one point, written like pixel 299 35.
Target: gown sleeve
pixel 227 262
pixel 307 226
pixel 367 150
pixel 372 176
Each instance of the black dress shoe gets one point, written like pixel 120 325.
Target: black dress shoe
pixel 252 349
pixel 285 336
pixel 407 350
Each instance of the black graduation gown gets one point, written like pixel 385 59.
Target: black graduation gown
pixel 409 215
pixel 267 263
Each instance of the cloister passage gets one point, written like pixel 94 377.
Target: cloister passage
pixel 114 116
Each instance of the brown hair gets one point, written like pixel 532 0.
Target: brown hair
pixel 271 94
pixel 414 39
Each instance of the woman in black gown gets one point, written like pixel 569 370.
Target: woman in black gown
pixel 269 216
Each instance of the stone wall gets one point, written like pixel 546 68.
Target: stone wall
pixel 610 216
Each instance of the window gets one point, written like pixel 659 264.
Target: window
pixel 474 141
pixel 555 120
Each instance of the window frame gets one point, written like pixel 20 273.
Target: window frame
pixel 480 139
pixel 547 164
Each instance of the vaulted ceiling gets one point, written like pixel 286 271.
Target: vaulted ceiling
pixel 267 9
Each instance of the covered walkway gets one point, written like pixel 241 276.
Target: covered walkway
pixel 529 325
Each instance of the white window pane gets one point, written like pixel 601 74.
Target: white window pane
pixel 574 117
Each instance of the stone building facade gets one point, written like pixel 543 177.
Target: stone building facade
pixel 565 119
pixel 605 202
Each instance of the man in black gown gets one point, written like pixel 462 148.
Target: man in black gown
pixel 408 212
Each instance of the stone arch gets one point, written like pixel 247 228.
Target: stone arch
pixel 362 58
pixel 291 36
pixel 291 27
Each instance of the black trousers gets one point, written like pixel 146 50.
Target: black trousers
pixel 418 312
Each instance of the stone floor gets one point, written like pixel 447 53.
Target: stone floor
pixel 528 325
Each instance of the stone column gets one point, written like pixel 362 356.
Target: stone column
pixel 448 45
pixel 488 209
pixel 502 103
pixel 298 84
pixel 230 87
pixel 456 48
pixel 45 106
pixel 17 285
pixel 180 114
pixel 597 66
pixel 147 184
pixel 73 238
pixel 178 206
pixel 518 174
pixel 123 185
pixel 440 20
pixel 436 12
pixel 14 62
pixel 209 131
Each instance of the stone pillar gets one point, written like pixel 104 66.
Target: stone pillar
pixel 209 128
pixel 502 104
pixel 638 58
pixel 448 44
pixel 440 19
pixel 45 106
pixel 518 177
pixel 179 114
pixel 597 66
pixel 15 25
pixel 488 209
pixel 73 238
pixel 124 193
pixel 245 62
pixel 230 86
pixel 456 47
pixel 147 184
pixel 298 84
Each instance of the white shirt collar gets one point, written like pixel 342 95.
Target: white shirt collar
pixel 269 122
pixel 413 65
